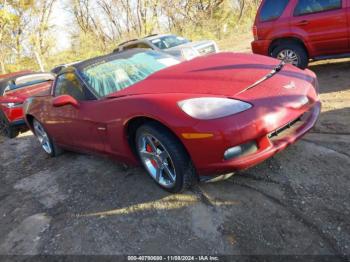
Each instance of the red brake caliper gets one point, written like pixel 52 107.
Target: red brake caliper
pixel 149 150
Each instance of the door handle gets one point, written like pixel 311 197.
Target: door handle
pixel 303 22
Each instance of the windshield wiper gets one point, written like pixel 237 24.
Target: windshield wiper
pixel 278 68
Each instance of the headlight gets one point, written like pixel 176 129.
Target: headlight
pixel 12 105
pixel 206 108
pixel 189 53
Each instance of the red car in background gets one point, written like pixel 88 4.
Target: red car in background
pixel 15 88
pixel 299 30
pixel 15 74
pixel 185 121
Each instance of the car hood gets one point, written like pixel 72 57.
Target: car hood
pixel 225 74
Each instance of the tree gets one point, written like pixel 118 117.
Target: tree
pixel 25 25
pixel 98 25
pixel 7 21
pixel 40 38
pixel 12 25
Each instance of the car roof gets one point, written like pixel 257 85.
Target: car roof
pixel 5 76
pixel 14 76
pixel 29 77
pixel 66 65
pixel 129 41
pixel 57 69
pixel 96 60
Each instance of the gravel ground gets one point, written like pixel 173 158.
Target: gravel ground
pixel 296 203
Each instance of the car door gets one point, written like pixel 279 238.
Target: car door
pixel 323 25
pixel 76 127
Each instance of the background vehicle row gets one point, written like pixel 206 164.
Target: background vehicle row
pixel 15 88
pixel 299 30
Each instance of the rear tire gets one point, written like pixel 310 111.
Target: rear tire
pixel 5 127
pixel 292 53
pixel 166 161
pixel 45 140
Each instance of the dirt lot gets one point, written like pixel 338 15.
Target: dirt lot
pixel 295 203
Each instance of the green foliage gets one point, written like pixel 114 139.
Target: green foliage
pixel 220 20
pixel 24 63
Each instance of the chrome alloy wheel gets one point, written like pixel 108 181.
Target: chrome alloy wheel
pixel 156 160
pixel 289 56
pixel 42 137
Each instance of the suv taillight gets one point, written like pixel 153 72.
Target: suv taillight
pixel 255 33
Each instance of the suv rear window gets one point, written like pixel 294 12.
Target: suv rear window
pixel 308 7
pixel 272 9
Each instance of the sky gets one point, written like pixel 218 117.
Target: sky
pixel 62 20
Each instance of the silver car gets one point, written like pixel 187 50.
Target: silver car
pixel 177 46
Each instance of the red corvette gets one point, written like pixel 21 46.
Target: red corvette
pixel 185 121
pixel 15 88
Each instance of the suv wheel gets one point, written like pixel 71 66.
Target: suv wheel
pixel 292 53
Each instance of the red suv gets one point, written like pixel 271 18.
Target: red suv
pixel 299 30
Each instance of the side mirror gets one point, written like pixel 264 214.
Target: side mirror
pixel 64 100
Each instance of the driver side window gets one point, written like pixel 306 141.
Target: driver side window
pixel 305 7
pixel 143 45
pixel 68 84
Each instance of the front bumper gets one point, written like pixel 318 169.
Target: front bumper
pixel 18 123
pixel 269 139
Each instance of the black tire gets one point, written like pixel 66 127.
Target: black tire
pixel 55 150
pixel 299 50
pixel 5 128
pixel 185 172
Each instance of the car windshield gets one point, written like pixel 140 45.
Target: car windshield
pixel 117 74
pixel 169 41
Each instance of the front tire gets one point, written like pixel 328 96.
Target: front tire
pixel 5 127
pixel 45 140
pixel 164 158
pixel 292 53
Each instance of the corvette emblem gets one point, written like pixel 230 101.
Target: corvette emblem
pixel 291 85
